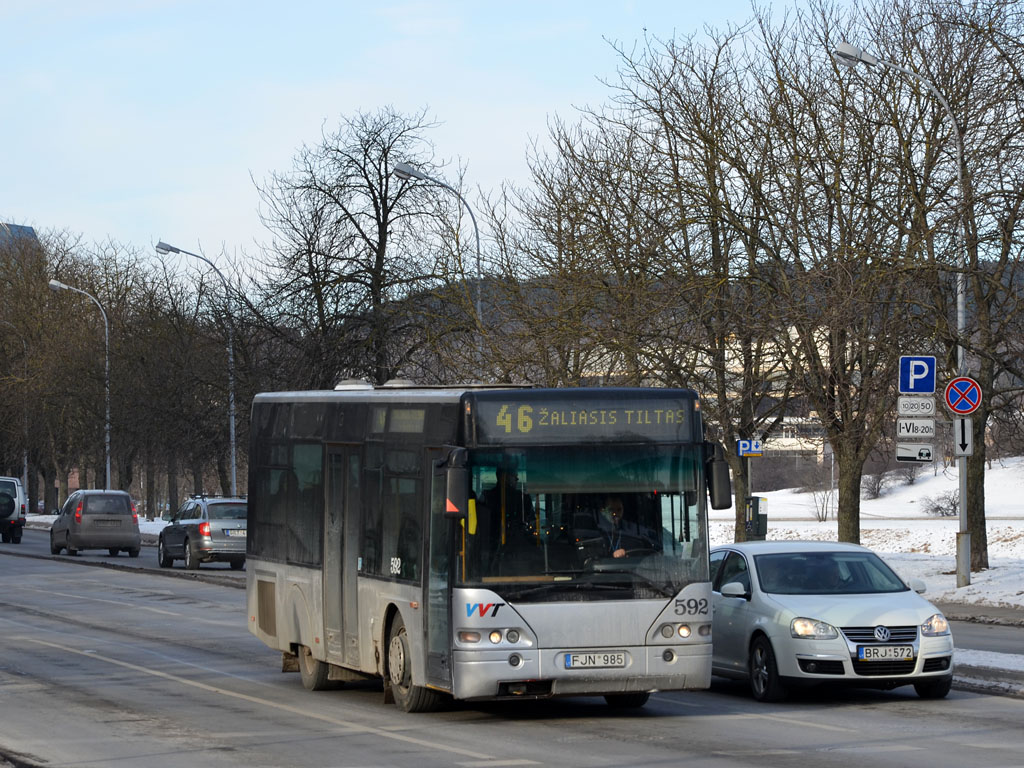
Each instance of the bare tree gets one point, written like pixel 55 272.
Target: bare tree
pixel 348 246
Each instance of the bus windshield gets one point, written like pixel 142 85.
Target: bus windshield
pixel 608 522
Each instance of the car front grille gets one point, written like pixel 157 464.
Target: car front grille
pixel 901 635
pixel 884 668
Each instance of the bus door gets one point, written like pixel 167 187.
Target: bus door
pixel 341 550
pixel 437 585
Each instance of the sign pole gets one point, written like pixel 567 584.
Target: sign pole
pixel 963 396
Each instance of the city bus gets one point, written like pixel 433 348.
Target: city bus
pixel 484 543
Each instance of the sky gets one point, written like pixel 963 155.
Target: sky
pixel 148 120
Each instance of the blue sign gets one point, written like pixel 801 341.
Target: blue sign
pixel 749 448
pixel 917 375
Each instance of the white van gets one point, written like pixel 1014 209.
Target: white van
pixel 12 510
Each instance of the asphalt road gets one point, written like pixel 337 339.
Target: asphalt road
pixel 105 667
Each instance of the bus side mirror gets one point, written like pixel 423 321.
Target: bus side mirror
pixel 719 483
pixel 456 494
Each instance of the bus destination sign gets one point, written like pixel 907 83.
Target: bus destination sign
pixel 520 421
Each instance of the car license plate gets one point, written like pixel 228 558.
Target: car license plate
pixel 595 660
pixel 233 532
pixel 885 652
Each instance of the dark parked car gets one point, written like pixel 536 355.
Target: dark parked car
pixel 205 529
pixel 12 509
pixel 97 520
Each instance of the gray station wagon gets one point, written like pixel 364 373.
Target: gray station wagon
pixel 97 520
pixel 205 529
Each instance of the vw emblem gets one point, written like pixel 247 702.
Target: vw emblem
pixel 882 634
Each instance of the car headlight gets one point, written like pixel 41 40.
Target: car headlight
pixel 812 629
pixel 935 626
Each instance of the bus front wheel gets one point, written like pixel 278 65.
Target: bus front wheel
pixel 408 697
pixel 627 700
pixel 313 672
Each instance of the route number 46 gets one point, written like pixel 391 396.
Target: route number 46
pixel 523 419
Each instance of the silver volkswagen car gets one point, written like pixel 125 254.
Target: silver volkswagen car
pixel 789 613
pixel 205 529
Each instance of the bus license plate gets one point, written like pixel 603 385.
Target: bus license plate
pixel 595 660
pixel 885 652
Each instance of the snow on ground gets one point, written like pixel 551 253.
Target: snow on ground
pixel 915 543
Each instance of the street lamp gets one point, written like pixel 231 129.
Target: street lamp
pixel 850 56
pixel 405 171
pixel 24 450
pixel 57 285
pixel 163 249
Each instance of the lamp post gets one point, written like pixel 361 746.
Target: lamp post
pixel 405 171
pixel 163 248
pixel 57 285
pixel 850 56
pixel 24 450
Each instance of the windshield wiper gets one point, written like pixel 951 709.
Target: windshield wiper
pixel 663 588
pixel 571 586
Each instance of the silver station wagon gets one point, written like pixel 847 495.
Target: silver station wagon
pixel 205 529
pixel 97 520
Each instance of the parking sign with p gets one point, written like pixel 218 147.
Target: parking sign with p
pixel 917 375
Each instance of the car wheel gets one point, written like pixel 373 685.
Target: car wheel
pixel 935 688
pixel 134 552
pixel 408 697
pixel 627 700
pixel 191 561
pixel 16 537
pixel 237 565
pixel 764 672
pixel 114 551
pixel 5 537
pixel 55 548
pixel 313 671
pixel 164 559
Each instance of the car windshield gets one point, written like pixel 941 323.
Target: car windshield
pixel 826 573
pixel 227 511
pixel 585 523
pixel 107 505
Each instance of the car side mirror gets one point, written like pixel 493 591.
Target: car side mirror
pixel 918 586
pixel 735 589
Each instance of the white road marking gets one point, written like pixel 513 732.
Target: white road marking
pixel 351 725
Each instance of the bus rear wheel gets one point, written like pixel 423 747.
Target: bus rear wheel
pixel 408 697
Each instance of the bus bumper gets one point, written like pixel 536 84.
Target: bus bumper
pixel 541 673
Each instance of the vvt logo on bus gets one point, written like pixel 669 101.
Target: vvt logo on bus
pixel 482 609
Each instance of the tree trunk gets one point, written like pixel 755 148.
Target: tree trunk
pixel 150 479
pixel 850 470
pixel 976 495
pixel 741 489
pixel 172 482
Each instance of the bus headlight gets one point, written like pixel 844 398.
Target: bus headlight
pixel 495 636
pixel 467 636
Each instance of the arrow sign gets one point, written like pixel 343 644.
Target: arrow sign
pixel 963 437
